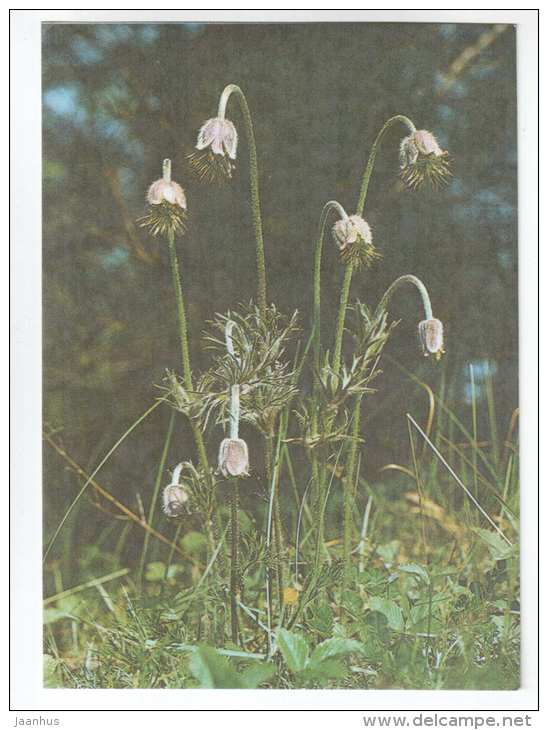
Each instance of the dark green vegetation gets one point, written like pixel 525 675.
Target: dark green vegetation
pixel 361 562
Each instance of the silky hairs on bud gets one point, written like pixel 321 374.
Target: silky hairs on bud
pixel 233 458
pixel 431 337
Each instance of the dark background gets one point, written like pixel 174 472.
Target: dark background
pixel 119 98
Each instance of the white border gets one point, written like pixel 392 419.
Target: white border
pixel 27 693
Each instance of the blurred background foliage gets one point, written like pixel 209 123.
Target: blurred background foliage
pixel 119 98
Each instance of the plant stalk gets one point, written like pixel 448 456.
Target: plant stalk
pixel 254 184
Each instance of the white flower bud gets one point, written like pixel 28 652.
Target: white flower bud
pixel 174 500
pixel 168 191
pixel 431 337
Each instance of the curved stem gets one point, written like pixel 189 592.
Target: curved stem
pixel 373 154
pixel 410 279
pixel 254 183
pixel 345 292
pixel 331 205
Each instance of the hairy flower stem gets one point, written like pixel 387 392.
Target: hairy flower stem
pixel 185 356
pixel 254 183
pixel 318 474
pixel 235 587
pixel 416 282
pixel 345 292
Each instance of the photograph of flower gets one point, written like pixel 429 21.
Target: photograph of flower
pixel 280 356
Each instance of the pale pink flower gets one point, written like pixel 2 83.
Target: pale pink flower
pixel 233 458
pixel 168 191
pixel 219 134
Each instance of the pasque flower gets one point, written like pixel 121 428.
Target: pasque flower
pixel 431 337
pixel 167 205
pixel 233 458
pixel 421 158
pixel 217 144
pixel 175 496
pixel 354 239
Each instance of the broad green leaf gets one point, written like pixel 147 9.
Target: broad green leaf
pixel 329 669
pixel 256 674
pixel 335 647
pixel 416 570
pixel 294 649
pixel 498 547
pixel 214 671
pixel 389 609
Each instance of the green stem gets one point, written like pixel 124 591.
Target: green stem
pixel 408 279
pixel 345 293
pixel 348 495
pixel 373 154
pixel 181 313
pixel 185 356
pixel 337 207
pixel 234 560
pixel 254 183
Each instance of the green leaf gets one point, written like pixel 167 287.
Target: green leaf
pixel 389 609
pixel 294 650
pixel 329 669
pixel 256 674
pixel 193 542
pixel 214 671
pixel 335 647
pixel 389 551
pixel 498 547
pixel 416 570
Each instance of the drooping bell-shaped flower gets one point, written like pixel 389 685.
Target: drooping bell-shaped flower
pixel 233 458
pixel 219 134
pixel 174 500
pixel 355 241
pixel 217 145
pixel 421 158
pixel 431 337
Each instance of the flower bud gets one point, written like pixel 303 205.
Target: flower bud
pixel 175 498
pixel 431 337
pixel 233 458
